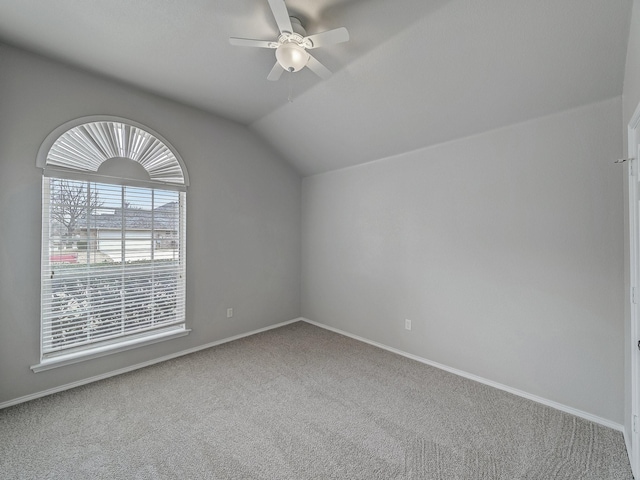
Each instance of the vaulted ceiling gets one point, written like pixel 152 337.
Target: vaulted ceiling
pixel 415 72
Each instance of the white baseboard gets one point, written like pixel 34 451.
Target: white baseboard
pixel 120 371
pixel 491 383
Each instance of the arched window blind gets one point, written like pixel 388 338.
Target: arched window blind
pixel 85 147
pixel 113 247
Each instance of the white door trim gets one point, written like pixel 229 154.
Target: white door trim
pixel 631 349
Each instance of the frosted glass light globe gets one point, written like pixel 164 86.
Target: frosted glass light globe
pixel 292 57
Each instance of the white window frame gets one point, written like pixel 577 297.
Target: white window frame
pixel 59 158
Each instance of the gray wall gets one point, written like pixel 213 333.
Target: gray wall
pixel 243 211
pixel 630 101
pixel 505 250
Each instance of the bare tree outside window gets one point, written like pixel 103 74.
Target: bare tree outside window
pixel 71 201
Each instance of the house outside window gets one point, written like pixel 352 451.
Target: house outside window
pixel 114 237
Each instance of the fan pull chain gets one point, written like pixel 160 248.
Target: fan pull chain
pixel 290 81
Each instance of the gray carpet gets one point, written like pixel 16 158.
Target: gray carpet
pixel 299 402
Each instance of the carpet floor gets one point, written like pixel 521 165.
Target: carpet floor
pixel 300 402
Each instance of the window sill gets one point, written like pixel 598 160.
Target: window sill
pixel 101 351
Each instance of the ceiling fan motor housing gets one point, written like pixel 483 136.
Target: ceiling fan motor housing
pixel 297 27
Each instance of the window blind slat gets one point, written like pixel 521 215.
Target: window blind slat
pixel 106 311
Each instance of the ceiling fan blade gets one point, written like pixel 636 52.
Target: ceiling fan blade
pixel 319 69
pixel 281 14
pixel 275 73
pixel 248 42
pixel 330 37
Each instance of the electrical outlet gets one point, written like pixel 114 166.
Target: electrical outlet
pixel 407 324
pixel 229 312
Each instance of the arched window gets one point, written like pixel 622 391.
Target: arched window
pixel 113 240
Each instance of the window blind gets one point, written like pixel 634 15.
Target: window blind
pixel 85 147
pixel 113 263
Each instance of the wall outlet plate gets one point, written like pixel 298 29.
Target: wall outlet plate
pixel 407 324
pixel 229 312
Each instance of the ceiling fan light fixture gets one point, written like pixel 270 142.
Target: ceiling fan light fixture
pixel 292 57
pixel 293 43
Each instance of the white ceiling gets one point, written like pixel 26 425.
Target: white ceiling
pixel 415 73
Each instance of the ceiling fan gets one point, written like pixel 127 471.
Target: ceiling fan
pixel 292 44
